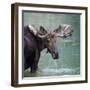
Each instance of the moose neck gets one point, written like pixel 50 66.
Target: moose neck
pixel 41 44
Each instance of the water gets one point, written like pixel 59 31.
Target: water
pixel 69 49
pixel 67 64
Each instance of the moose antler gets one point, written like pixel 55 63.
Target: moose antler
pixel 64 30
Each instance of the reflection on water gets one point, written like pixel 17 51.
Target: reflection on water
pixel 67 64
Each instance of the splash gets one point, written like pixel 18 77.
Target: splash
pixel 61 71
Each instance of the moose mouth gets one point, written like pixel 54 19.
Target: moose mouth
pixel 55 55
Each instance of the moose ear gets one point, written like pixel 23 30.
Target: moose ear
pixel 42 30
pixel 58 29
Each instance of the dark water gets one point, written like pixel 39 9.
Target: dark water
pixel 69 49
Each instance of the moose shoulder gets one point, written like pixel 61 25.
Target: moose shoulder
pixel 37 40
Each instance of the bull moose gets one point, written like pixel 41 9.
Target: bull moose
pixel 37 40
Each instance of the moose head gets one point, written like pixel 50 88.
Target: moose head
pixel 49 38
